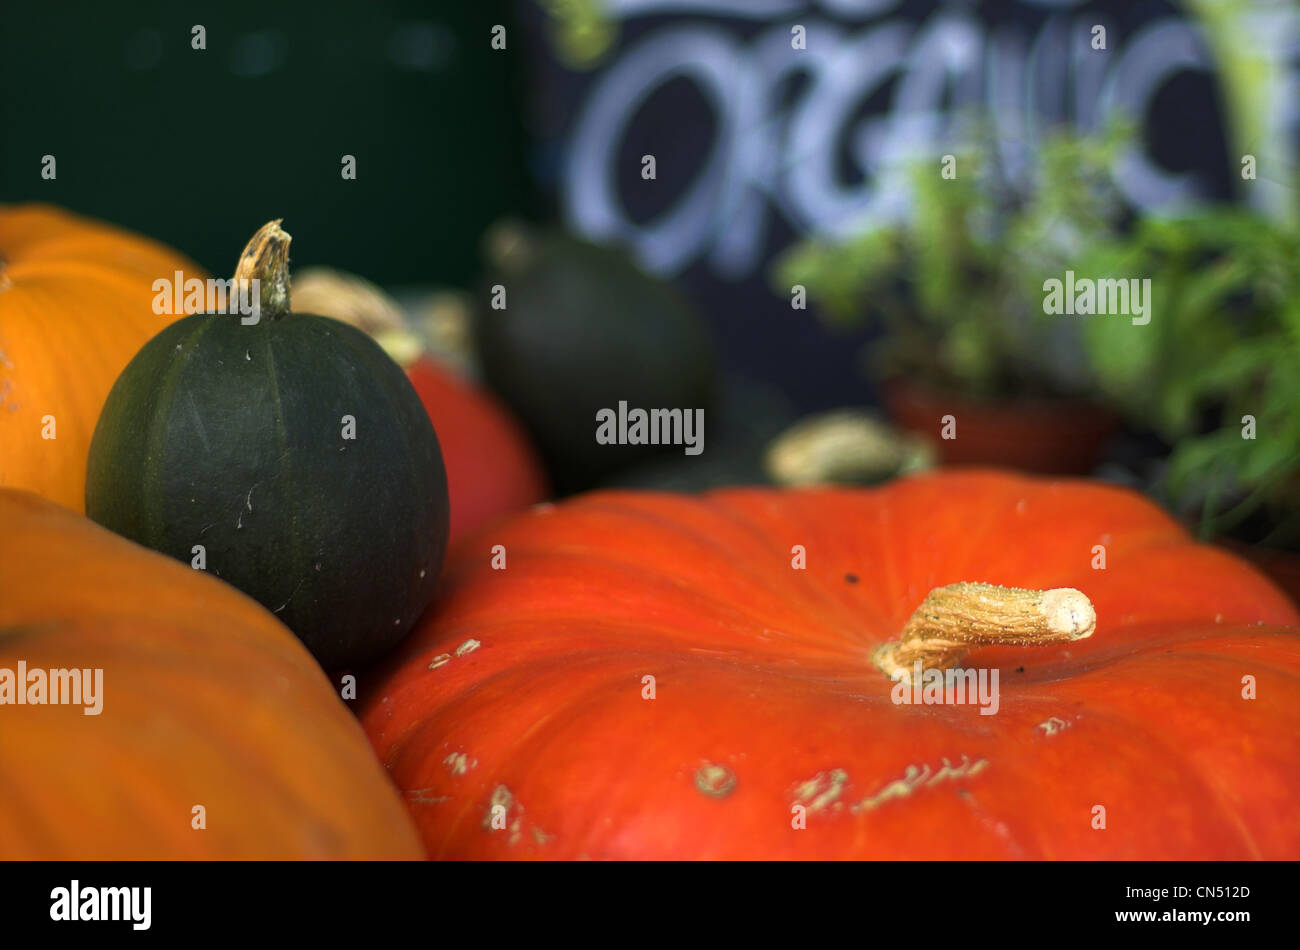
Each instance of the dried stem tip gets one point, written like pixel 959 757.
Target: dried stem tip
pixel 955 618
pixel 510 245
pixel 266 260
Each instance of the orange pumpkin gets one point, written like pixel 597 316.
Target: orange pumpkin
pixel 205 700
pixel 659 676
pixel 76 303
pixel 492 468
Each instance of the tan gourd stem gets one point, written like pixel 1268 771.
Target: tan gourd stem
pixel 266 259
pixel 509 245
pixel 841 446
pixel 953 619
pixel 356 301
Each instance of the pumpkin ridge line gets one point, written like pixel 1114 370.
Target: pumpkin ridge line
pixel 971 802
pixel 709 504
pixel 1126 724
pixel 289 500
pixel 812 580
pixel 678 581
pixel 154 465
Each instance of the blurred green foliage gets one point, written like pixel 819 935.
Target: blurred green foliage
pixel 581 32
pixel 957 284
pixel 1223 344
pixel 959 289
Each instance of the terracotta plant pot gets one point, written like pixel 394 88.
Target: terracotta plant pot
pixel 1282 567
pixel 1046 436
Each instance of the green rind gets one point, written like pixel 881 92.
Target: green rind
pixel 230 437
pixel 582 329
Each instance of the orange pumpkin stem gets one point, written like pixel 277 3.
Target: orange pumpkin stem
pixel 266 260
pixel 955 618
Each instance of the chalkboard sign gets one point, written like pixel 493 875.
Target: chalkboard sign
pixel 773 119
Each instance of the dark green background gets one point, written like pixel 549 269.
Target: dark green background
pixel 185 146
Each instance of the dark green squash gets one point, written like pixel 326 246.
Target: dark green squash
pixel 582 329
pixel 232 437
pixel 747 416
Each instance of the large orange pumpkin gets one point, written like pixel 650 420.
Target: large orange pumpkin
pixel 76 303
pixel 520 719
pixel 205 700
